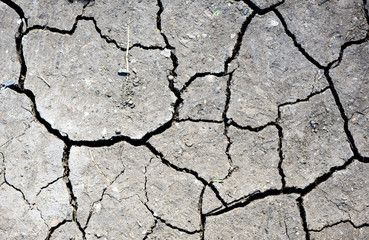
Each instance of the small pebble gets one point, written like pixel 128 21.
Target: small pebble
pixel 123 72
pixel 246 11
pixel 188 144
pixel 166 53
pixel 170 78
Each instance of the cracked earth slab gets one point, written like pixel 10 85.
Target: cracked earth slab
pixel 314 139
pixel 205 30
pixel 341 231
pixel 204 99
pixel 9 63
pixel 255 163
pixel 18 219
pixel 274 217
pixel 186 145
pixel 228 125
pixel 85 67
pixel 69 230
pixel 114 18
pixel 32 168
pixel 109 176
pixel 51 13
pixel 270 73
pixel 340 198
pixel 162 231
pixel 322 29
pixel 173 196
pixel 351 81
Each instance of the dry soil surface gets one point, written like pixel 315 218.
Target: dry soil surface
pixel 184 119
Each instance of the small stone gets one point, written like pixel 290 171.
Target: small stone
pixel 123 72
pixel 170 78
pixel 166 53
pixel 273 23
pixel 188 144
pixel 246 11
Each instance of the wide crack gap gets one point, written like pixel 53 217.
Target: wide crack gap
pixel 338 223
pixel 16 8
pixel 72 198
pixel 343 115
pixel 53 229
pixel 300 205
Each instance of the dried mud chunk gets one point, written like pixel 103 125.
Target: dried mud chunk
pixel 271 72
pixel 9 64
pixel 31 156
pixel 255 159
pixel 314 139
pixel 51 13
pixel 269 218
pixel 114 17
pixel 197 146
pixel 33 160
pixel 351 81
pixel 17 219
pixel 342 197
pixel 120 219
pixel 68 230
pixel 162 231
pixel 85 97
pixel 116 171
pixel 204 99
pixel 323 29
pixel 341 231
pixel 53 204
pixel 203 34
pixel 173 195
pixel 15 115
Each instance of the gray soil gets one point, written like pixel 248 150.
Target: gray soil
pixel 177 119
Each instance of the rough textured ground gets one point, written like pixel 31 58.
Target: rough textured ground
pixel 162 119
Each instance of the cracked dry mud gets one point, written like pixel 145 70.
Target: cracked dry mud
pixel 237 120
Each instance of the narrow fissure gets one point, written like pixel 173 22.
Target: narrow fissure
pixel 281 157
pixel 300 205
pixel 53 229
pixel 72 198
pixel 338 223
pixel 202 216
